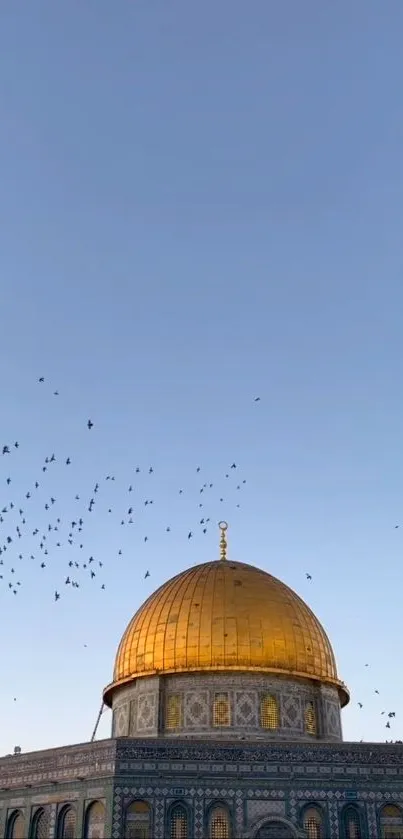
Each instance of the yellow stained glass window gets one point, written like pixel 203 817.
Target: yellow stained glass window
pixel 269 713
pixel 16 828
pixel 391 822
pixel 179 823
pixel 312 824
pixel 137 821
pixel 390 811
pixel 219 824
pixel 173 711
pixel 310 718
pixel 221 710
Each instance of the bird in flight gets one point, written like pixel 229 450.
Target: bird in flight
pixel 360 704
pixel 57 595
pixel 147 574
pixel 257 399
pixel 89 424
pixel 308 576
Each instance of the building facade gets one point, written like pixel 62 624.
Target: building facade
pixel 226 709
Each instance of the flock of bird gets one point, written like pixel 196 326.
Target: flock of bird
pixel 27 537
pixel 65 535
pixel 390 714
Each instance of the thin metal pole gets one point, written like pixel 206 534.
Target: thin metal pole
pixel 97 723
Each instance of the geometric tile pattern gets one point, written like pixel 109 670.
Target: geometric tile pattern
pixel 198 819
pixel 196 695
pixel 239 817
pixel 372 821
pixel 133 716
pixel 291 712
pixel 256 810
pixel 196 709
pixel 246 709
pixel 333 817
pixel 257 782
pixel 332 719
pixel 117 815
pixel 159 816
pixel 121 720
pixel 146 713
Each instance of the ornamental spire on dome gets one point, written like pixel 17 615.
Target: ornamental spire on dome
pixel 223 540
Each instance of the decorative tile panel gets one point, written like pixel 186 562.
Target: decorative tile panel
pixel 256 810
pixel 291 712
pixel 246 709
pixel 146 712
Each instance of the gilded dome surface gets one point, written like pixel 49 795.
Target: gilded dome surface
pixel 229 616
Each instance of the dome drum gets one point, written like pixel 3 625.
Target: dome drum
pixel 228 706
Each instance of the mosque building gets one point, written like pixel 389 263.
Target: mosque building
pixel 226 706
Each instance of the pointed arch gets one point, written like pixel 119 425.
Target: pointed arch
pixel 313 822
pixel 95 820
pixel 138 820
pixel 391 822
pixel 67 823
pixel 351 822
pixel 218 821
pixel 40 824
pixel 15 825
pixel 178 822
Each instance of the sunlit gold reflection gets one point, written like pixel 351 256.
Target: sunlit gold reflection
pixel 225 616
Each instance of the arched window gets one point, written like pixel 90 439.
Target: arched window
pixel 66 828
pixel 40 824
pixel 313 823
pixel 221 710
pixel 95 821
pixel 178 828
pixel 137 821
pixel 173 712
pixel 16 826
pixel 352 824
pixel 391 822
pixel 269 714
pixel 219 822
pixel 310 718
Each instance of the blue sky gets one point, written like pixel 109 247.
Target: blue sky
pixel 199 204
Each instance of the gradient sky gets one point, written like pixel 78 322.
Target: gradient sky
pixel 200 203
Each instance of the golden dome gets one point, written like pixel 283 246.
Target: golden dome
pixel 225 616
